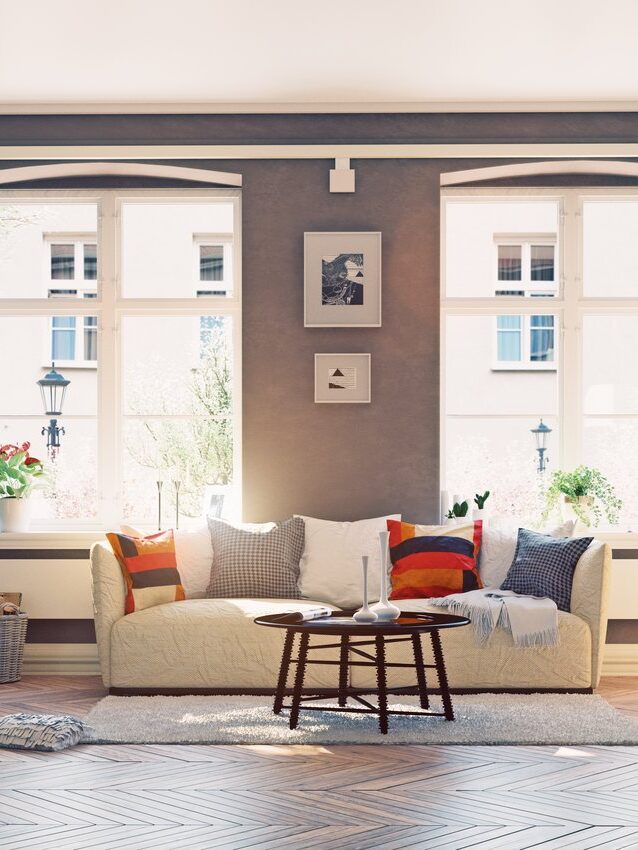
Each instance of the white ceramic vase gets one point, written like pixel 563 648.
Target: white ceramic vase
pixel 365 614
pixel 15 515
pixel 384 609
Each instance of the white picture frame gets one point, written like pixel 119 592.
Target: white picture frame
pixel 342 279
pixel 342 378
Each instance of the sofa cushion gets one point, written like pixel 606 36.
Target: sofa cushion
pixel 433 560
pixel 207 643
pixel 544 566
pixel 330 568
pixel 260 563
pixel 497 663
pixel 498 548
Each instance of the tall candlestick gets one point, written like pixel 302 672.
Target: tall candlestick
pixel 176 485
pixel 159 504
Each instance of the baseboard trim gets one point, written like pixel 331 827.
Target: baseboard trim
pixel 620 659
pixel 79 659
pixel 332 692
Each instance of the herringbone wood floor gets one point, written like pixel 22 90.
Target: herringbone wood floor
pixel 310 797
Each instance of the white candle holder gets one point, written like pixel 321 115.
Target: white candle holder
pixel 384 609
pixel 365 614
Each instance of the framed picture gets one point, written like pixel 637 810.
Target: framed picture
pixel 342 280
pixel 342 378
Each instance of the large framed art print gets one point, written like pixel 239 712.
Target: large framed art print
pixel 342 280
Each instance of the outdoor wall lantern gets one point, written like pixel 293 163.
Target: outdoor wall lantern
pixel 53 390
pixel 541 434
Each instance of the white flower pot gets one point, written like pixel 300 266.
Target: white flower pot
pixel 15 515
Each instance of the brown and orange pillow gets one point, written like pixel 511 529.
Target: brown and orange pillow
pixel 150 569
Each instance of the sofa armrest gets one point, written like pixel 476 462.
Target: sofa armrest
pixel 109 596
pixel 590 599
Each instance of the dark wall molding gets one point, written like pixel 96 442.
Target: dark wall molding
pixel 321 128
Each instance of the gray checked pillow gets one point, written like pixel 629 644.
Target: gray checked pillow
pixel 46 732
pixel 256 564
pixel 544 566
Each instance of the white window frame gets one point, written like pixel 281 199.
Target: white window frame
pixel 111 307
pixel 570 306
pixel 79 240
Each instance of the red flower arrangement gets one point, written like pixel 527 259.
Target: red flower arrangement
pixel 19 471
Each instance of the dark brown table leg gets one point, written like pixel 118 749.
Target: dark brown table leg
pixel 301 668
pixel 343 670
pixel 382 685
pixel 420 671
pixel 440 669
pixel 283 671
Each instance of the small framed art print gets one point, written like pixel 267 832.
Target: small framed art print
pixel 342 378
pixel 342 280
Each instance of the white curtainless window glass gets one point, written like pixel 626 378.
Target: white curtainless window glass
pixel 135 297
pixel 539 322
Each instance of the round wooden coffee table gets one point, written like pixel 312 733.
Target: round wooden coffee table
pixel 352 637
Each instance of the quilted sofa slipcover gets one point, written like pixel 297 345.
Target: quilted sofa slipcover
pixel 214 643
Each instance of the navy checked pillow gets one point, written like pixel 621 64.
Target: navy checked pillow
pixel 256 564
pixel 544 566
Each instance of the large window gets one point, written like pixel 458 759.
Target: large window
pixel 539 321
pixel 102 284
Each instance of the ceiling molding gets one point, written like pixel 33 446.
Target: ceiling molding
pixel 111 169
pixel 507 150
pixel 185 107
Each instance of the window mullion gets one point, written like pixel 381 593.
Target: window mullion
pixel 571 342
pixel 108 362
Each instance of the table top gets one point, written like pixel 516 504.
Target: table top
pixel 341 623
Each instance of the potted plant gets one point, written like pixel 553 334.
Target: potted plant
pixel 19 474
pixel 479 501
pixel 457 512
pixel 584 494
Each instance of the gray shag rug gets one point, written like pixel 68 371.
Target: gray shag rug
pixel 556 719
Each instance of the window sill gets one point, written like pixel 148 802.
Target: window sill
pixel 523 367
pixel 72 364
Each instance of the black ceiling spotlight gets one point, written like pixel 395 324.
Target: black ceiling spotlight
pixel 53 390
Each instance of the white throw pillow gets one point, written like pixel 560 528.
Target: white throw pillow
pixel 498 548
pixel 330 567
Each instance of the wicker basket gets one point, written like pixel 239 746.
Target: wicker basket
pixel 13 630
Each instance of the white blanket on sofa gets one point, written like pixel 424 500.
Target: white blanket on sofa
pixel 532 621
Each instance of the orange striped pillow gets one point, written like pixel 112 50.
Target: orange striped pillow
pixel 150 569
pixel 433 560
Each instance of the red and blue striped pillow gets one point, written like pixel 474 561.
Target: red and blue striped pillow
pixel 429 561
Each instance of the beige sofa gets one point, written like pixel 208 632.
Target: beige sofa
pixel 213 644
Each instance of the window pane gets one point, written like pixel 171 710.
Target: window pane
pixel 27 231
pixel 63 338
pixel 542 338
pixel 509 262
pixel 90 337
pixel 211 262
pixel 90 262
pixel 71 489
pixel 489 414
pixel 610 353
pixel 542 262
pixel 161 244
pixel 178 406
pixel 509 338
pixel 62 262
pixel 609 444
pixel 610 248
pixel 476 230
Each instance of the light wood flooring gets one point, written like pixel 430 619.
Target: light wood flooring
pixel 311 797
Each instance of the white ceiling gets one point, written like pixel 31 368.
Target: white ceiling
pixel 227 54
